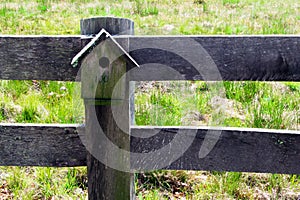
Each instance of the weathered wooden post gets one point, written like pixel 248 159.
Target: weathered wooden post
pixel 101 70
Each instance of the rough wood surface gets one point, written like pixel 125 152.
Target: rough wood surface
pixel 271 58
pixel 102 68
pixel 113 25
pixel 38 57
pixel 41 145
pixel 238 149
pixel 103 181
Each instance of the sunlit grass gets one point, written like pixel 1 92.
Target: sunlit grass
pixel 44 182
pixel 154 17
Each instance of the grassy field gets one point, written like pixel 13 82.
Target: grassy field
pixel 248 104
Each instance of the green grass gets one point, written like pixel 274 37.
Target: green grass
pixel 45 182
pixel 244 104
pixel 153 16
pixel 39 101
pixel 145 8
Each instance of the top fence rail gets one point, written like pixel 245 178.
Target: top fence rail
pixel 257 58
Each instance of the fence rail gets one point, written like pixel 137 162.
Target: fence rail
pixel 56 145
pixel 257 58
pixel 238 149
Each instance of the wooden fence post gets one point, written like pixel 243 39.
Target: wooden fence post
pixel 105 182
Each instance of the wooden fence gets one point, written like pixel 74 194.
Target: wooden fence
pixel 259 58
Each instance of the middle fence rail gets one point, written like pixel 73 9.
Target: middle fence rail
pixel 238 149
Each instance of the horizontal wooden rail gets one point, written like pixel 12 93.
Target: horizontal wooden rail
pixel 263 58
pixel 38 57
pixel 238 149
pixel 269 58
pixel 41 145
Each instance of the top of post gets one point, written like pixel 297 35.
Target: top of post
pixel 113 25
pixel 103 60
pixel 98 26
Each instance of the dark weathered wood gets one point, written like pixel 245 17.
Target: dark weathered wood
pixel 102 68
pixel 113 25
pixel 103 181
pixel 41 145
pixel 38 57
pixel 238 149
pixel 270 58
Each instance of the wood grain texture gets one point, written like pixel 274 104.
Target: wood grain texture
pixel 38 57
pixel 270 58
pixel 113 25
pixel 247 150
pixel 41 145
pixel 241 150
pixel 104 66
pixel 104 182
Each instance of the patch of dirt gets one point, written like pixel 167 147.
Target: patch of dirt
pixel 10 111
pixel 292 117
pixel 195 118
pixel 276 86
pixel 230 108
pixel 4 192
